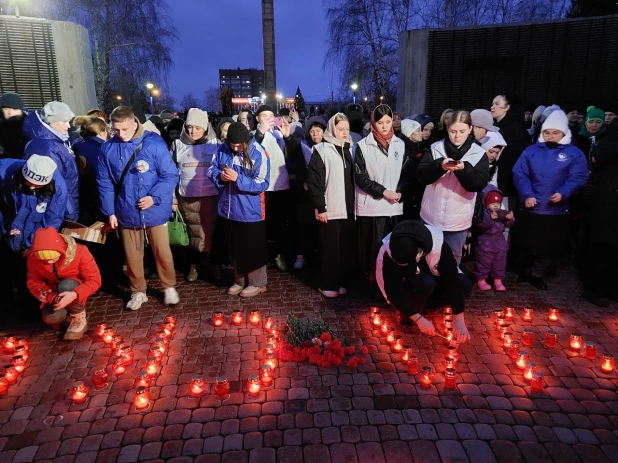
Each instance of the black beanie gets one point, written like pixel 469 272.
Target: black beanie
pixel 238 133
pixel 263 108
pixel 407 238
pixel 11 100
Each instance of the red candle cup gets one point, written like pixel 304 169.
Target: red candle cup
pixel 217 318
pixel 507 339
pixel 23 342
pixel 450 378
pixel 522 359
pixel 269 359
pixel 152 366
pixel 376 319
pixel 528 337
pixel 536 385
pixel 108 335
pixel 253 385
pixel 19 363
pixel 390 337
pixel 575 342
pixel 448 310
pixel 608 363
pixel 118 348
pixel 237 318
pixel 197 386
pixel 451 351
pixel 10 374
pixel 426 377
pixel 449 334
pixel 101 327
pixel 553 315
pixel 118 366
pixel 515 348
pixel 550 338
pixel 143 379
pixel 272 340
pixel 450 362
pixel 116 339
pixel 269 323
pixel 22 351
pixel 504 329
pixel 4 386
pixel 528 312
pixel 385 327
pixel 222 388
pixel 8 344
pixel 255 317
pixel 171 320
pixel 398 343
pixel 413 365
pixel 141 399
pixel 529 371
pixel 161 335
pixel 406 353
pixel 99 378
pixel 79 393
pixel 266 376
pixel 168 329
pixel 497 314
pixel 373 310
pixel 269 349
pixel 160 343
pixel 591 350
pixel 500 321
pixel 448 320
pixel 509 313
pixel 156 353
pixel 127 356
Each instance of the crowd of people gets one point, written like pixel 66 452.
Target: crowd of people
pixel 424 209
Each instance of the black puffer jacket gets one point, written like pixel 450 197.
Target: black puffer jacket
pixel 12 141
pixel 604 158
pixel 517 139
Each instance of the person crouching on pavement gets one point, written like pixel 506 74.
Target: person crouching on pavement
pixel 62 274
pixel 416 266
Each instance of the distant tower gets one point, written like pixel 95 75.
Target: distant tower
pixel 268 38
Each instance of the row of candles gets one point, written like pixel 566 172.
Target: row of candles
pixel 9 374
pixel 425 374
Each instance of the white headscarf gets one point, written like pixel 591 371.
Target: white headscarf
pixel 329 134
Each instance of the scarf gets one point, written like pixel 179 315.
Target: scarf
pixel 457 153
pixel 329 134
pixel 382 140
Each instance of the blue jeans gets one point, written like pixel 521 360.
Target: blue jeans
pixel 456 241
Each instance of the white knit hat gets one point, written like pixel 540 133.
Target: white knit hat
pixel 548 111
pixel 408 127
pixel 197 118
pixel 39 170
pixel 557 120
pixel 56 111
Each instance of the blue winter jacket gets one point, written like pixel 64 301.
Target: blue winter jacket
pixel 45 142
pixel 152 173
pixel 23 210
pixel 542 171
pixel 89 148
pixel 242 200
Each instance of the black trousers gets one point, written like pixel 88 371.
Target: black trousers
pixel 336 252
pixel 279 219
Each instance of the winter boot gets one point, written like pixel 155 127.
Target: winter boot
pixel 77 326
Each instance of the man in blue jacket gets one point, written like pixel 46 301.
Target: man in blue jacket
pixel 136 179
pixel 48 131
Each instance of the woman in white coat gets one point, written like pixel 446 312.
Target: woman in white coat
pixel 378 162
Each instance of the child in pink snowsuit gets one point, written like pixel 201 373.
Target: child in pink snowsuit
pixel 491 245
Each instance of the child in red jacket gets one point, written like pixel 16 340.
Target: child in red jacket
pixel 62 274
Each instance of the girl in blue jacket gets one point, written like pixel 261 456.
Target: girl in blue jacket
pixel 241 170
pixel 546 176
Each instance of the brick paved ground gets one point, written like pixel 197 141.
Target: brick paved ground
pixel 376 413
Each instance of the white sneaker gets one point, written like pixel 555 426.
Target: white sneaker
pixel 137 299
pixel 77 326
pixel 330 294
pixel 251 291
pixel 343 291
pixel 300 263
pixel 280 263
pixel 235 290
pixel 171 296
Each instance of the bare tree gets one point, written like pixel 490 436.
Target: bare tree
pixel 211 99
pixel 189 101
pixel 131 41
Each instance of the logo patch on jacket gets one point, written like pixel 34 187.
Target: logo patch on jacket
pixel 142 166
pixel 41 207
pixel 562 157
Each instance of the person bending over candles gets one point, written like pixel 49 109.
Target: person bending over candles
pixel 416 266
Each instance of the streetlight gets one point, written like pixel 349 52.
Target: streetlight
pixel 279 96
pixel 150 87
pixel 119 98
pixel 354 88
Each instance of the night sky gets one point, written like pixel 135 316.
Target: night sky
pixel 234 28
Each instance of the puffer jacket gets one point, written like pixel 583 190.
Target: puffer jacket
pixel 193 159
pixel 543 170
pixel 46 142
pixel 88 150
pixel 75 263
pixel 152 173
pixel 27 210
pixel 242 200
pixel 449 198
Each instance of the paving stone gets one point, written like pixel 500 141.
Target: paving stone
pixel 452 451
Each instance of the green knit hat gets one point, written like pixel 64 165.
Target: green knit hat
pixel 595 114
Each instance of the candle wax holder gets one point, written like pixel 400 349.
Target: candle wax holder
pixel 390 337
pixel 497 314
pixel 449 334
pixel 4 386
pixel 536 385
pixel 385 327
pixel 608 363
pixel 197 386
pixel 529 371
pixel 500 321
pixel 503 329
pixel 22 351
pixel 141 399
pixel 116 339
pixel 272 340
pixel 253 385
pixel 515 348
pixel 22 342
pixel 237 318
pixel 217 319
pixel 101 327
pixel 19 363
pixel 99 378
pixel 254 317
pixel 168 329
pixel 406 353
pixel 553 315
pixel 8 344
pixel 171 320
pixel 528 313
pixel 575 342
pixel 591 350
pixel 269 323
pixel 143 379
pixel 118 348
pixel 222 388
pixel 507 339
pixel 269 349
pixel 161 344
pixel 522 359
pixel 451 351
pixel 509 313
pixel 118 366
pixel 10 374
pixel 550 339
pixel 152 366
pixel 450 362
pixel 448 310
pixel 450 378
pixel 127 356
pixel 398 344
pixel 108 335
pixel 413 365
pixel 270 360
pixel 376 319
pixel 528 337
pixel 426 377
pixel 79 393
pixel 266 376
